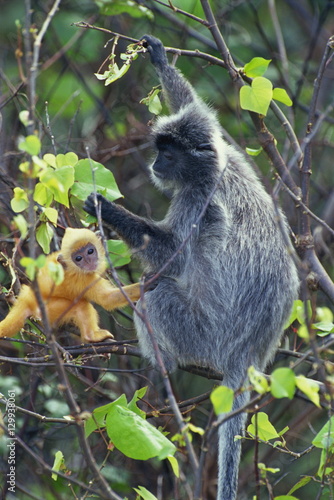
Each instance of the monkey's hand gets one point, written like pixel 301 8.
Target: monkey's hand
pixel 90 207
pixel 156 50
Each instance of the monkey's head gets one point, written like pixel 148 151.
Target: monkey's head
pixel 188 149
pixel 82 250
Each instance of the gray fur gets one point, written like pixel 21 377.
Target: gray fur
pixel 223 301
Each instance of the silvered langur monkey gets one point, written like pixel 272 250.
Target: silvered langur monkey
pixel 223 300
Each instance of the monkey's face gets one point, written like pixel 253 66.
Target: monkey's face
pixel 175 165
pixel 86 258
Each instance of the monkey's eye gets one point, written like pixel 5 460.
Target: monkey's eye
pixel 205 146
pixel 168 155
pixel 78 258
pixel 90 251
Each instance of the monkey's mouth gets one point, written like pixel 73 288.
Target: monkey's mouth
pixel 158 174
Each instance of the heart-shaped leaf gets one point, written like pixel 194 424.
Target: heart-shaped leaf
pixel 258 96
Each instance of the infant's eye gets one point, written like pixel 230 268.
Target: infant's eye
pixel 78 258
pixel 90 251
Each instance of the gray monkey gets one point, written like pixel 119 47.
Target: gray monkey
pixel 223 300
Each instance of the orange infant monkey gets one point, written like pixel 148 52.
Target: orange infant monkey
pixel 83 259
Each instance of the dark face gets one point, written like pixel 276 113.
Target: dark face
pixel 177 164
pixel 168 162
pixel 86 258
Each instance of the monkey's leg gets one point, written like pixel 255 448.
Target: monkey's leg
pixel 82 314
pixel 24 307
pixel 109 297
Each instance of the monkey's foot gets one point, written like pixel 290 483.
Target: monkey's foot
pixel 97 336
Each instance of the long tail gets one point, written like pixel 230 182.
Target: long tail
pixel 229 451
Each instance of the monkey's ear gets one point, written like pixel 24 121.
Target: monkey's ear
pixel 61 261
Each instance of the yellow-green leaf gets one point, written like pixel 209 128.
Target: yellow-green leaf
pixel 263 429
pixel 310 388
pixel 21 224
pixel 222 399
pixel 144 493
pixel 254 152
pixel 20 201
pixel 51 214
pixel 174 464
pixel 58 462
pixel 31 144
pixel 325 437
pixel 44 235
pixel 258 380
pixel 256 67
pixel 258 96
pixel 282 96
pixel 303 332
pixel 42 195
pixel 283 383
pixel 56 272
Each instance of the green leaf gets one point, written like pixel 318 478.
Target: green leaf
pixel 56 272
pixel 285 497
pixel 254 152
pixel 112 8
pixel 51 215
pixel 44 235
pixel 258 380
pixel 135 437
pixel 154 105
pixel 325 437
pixel 222 399
pixel 31 144
pixel 42 195
pixel 65 160
pixel 138 395
pixel 298 312
pixel 174 464
pixel 59 182
pixel 99 414
pixel 258 96
pixel 104 181
pixel 24 117
pixel 265 430
pixel 324 314
pixel 50 160
pixel 281 95
pixel 300 484
pixel 325 326
pixel 256 67
pixel 310 388
pixel 119 253
pixel 20 201
pixel 283 383
pixel 326 463
pixel 273 470
pixel 303 332
pixel 58 462
pixel 98 418
pixel 144 493
pixel 31 266
pixel 21 224
pixel 153 101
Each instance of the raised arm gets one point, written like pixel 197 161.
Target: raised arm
pixel 177 90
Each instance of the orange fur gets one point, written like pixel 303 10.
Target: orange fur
pixel 71 300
